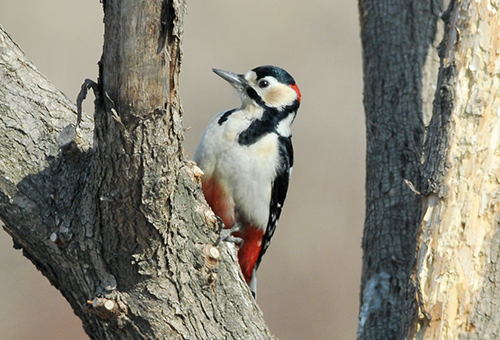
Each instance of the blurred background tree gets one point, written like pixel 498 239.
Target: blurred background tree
pixel 431 243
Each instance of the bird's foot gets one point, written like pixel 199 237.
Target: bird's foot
pixel 226 234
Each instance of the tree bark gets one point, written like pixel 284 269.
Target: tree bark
pixel 395 37
pixel 109 210
pixel 459 252
pixel 431 273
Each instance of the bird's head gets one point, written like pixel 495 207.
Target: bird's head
pixel 267 86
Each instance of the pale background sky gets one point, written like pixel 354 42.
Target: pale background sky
pixel 309 279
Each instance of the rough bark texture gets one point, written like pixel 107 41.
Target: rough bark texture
pixel 109 211
pixel 459 253
pixel 458 249
pixel 396 36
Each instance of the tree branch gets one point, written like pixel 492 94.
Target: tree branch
pixel 113 215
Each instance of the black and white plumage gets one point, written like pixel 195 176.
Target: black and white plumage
pixel 246 155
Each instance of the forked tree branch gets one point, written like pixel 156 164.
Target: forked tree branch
pixel 110 211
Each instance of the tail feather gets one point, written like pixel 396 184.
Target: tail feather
pixel 253 283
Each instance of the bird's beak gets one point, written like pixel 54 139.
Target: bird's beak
pixel 237 80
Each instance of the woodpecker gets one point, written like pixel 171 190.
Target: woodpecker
pixel 246 155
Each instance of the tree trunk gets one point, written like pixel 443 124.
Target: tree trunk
pixel 459 251
pixel 395 38
pixel 439 282
pixel 109 210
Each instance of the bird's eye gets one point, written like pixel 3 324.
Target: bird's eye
pixel 263 84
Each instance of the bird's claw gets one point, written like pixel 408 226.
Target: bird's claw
pixel 226 234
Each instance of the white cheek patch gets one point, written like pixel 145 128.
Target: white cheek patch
pixel 279 95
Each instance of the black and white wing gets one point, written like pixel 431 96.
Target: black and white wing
pixel 278 193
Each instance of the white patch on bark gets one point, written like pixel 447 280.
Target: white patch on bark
pixel 375 293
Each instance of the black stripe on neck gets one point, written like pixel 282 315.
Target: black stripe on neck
pixel 255 97
pixel 225 116
pixel 267 124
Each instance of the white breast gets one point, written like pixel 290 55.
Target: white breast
pixel 246 172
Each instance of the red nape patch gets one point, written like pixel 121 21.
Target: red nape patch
pixel 218 199
pixel 249 252
pixel 296 89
